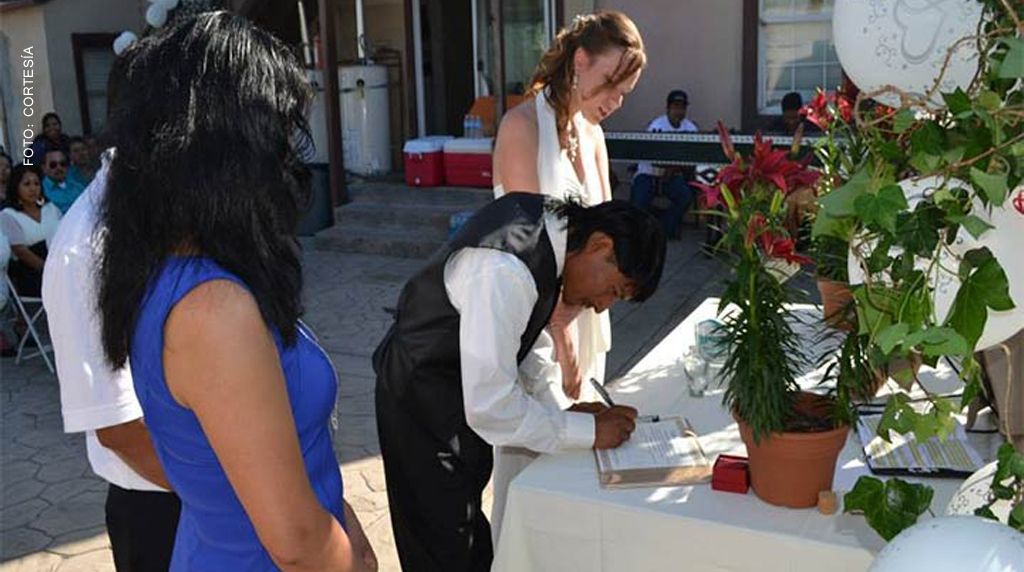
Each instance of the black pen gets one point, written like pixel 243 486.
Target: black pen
pixel 608 401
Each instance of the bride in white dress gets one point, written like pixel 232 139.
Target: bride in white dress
pixel 553 144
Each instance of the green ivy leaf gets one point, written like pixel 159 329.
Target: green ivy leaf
pixel 989 100
pixel 986 512
pixel 957 101
pixel 925 162
pixel 875 308
pixel 986 287
pixel 827 225
pixel 888 507
pixel 905 118
pixel 972 389
pixel 1013 63
pixel 840 202
pixel 882 209
pixel 918 231
pixel 891 337
pixel 992 185
pixel 1016 518
pixel 898 417
pixel 939 341
pixel 927 139
pixel 974 225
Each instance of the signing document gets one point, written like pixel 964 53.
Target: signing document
pixel 659 453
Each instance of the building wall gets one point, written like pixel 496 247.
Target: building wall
pixel 20 29
pixel 66 17
pixel 695 45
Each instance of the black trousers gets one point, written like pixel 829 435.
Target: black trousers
pixel 434 493
pixel 142 525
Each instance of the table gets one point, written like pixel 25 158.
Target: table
pixel 559 519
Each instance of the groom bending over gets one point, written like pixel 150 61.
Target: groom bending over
pixel 447 388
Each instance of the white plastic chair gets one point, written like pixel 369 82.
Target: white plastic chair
pixel 21 304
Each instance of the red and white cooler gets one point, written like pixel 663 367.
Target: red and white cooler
pixel 467 162
pixel 424 161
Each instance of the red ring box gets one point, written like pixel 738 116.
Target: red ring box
pixel 730 474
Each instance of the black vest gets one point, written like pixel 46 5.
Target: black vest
pixel 418 361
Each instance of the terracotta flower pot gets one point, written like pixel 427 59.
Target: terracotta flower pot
pixel 790 469
pixel 836 298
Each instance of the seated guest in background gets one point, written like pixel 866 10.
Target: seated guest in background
pixel 669 201
pixel 52 137
pixel 791 119
pixel 82 168
pixel 29 222
pixel 5 173
pixel 448 371
pixel 199 291
pixel 58 188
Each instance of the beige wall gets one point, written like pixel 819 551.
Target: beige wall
pixel 23 28
pixel 66 17
pixel 695 45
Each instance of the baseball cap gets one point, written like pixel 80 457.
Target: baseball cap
pixel 677 96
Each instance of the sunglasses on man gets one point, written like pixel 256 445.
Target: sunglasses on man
pixel 55 164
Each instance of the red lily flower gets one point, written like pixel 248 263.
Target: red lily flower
pixel 784 248
pixel 755 229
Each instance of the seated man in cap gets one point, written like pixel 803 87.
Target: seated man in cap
pixel 663 189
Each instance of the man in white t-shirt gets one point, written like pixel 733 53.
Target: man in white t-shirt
pixel 141 513
pixel 663 190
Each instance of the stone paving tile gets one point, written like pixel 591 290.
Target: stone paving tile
pixel 81 542
pixel 36 562
pixel 22 541
pixel 53 505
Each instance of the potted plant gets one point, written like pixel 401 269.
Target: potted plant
pixel 793 437
pixel 840 153
pixel 930 175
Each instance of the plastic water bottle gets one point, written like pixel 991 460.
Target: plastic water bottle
pixel 467 126
pixel 474 126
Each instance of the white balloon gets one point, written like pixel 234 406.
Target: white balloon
pixel 156 15
pixel 904 43
pixel 1003 241
pixel 122 42
pixel 953 544
pixel 974 493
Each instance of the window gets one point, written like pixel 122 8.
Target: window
pixel 795 51
pixel 94 58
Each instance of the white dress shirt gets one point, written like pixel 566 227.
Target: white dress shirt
pixel 92 396
pixel 494 293
pixel 661 124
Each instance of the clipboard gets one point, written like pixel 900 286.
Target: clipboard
pixel 662 452
pixel 954 458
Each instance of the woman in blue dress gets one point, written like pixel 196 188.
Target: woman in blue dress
pixel 200 285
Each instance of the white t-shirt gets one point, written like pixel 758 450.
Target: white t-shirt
pixel 663 125
pixel 24 230
pixel 92 396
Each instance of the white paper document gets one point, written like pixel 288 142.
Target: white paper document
pixel 654 445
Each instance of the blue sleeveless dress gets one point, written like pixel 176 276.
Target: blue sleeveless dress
pixel 214 532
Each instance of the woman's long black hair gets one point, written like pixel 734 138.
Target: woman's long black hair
pixel 207 121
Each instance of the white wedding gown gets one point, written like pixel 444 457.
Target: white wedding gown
pixel 591 331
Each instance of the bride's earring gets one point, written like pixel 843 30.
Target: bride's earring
pixel 575 82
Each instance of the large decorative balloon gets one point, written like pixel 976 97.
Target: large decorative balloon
pixel 1003 241
pixel 904 43
pixel 954 544
pixel 974 494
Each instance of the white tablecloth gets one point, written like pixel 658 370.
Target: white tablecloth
pixel 558 518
